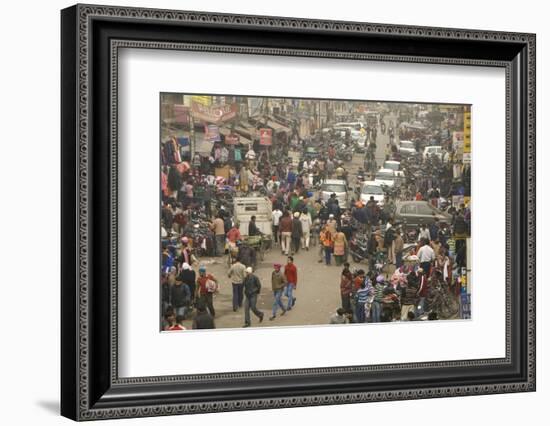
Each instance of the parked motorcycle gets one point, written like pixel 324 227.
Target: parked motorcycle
pixel 443 302
pixel 358 248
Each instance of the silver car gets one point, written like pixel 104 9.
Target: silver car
pixel 415 213
pixel 335 186
pixel 406 148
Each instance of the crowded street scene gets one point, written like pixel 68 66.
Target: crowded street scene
pixel 282 212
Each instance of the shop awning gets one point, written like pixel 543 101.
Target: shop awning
pixel 246 130
pixel 277 127
pixel 242 139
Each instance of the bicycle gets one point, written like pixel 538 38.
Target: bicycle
pixel 442 302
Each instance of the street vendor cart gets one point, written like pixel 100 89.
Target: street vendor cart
pixel 260 207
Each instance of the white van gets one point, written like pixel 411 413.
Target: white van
pixel 246 207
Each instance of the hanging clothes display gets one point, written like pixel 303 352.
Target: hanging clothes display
pixel 174 179
pixel 164 184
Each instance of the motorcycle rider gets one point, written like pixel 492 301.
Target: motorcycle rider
pixel 341 172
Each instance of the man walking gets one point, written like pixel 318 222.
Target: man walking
pixel 291 276
pixel 207 285
pixel 252 287
pixel 305 219
pixel 285 228
pixel 326 242
pixel 361 298
pixel 236 274
pixel 278 283
pixel 276 217
pixel 398 246
pixel 378 299
pixel 187 276
pixel 203 320
pixel 296 233
pixel 346 287
pixel 424 233
pixel 426 256
pixel 217 226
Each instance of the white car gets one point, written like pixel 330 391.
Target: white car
pixel 372 188
pixel 433 150
pixel 385 177
pixel 391 164
pixel 395 166
pixel 335 186
pixel 407 148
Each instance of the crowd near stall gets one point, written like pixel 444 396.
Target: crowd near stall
pixel 379 190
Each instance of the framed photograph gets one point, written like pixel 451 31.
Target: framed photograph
pixel 265 212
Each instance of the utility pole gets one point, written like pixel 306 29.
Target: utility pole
pixel 192 136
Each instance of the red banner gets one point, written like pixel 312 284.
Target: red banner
pixel 265 137
pixel 214 113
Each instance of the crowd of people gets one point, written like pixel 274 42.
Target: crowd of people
pixel 189 291
pixel 404 271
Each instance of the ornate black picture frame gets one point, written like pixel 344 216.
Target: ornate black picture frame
pixel 91 37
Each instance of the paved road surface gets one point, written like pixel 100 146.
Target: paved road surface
pixel 318 294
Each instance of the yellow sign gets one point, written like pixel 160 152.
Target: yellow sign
pixel 467 132
pixel 203 100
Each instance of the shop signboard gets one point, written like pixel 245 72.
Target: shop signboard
pixel 215 114
pixel 203 100
pixel 181 114
pixel 212 133
pixel 467 132
pixel 465 306
pixel 265 137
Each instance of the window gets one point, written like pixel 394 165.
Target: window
pixel 408 209
pixel 424 209
pixel 333 187
pixel 372 189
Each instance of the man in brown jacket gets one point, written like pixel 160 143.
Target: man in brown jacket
pixel 278 283
pixel 398 245
pixel 285 228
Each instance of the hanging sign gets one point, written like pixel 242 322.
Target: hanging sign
pixel 265 137
pixel 214 113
